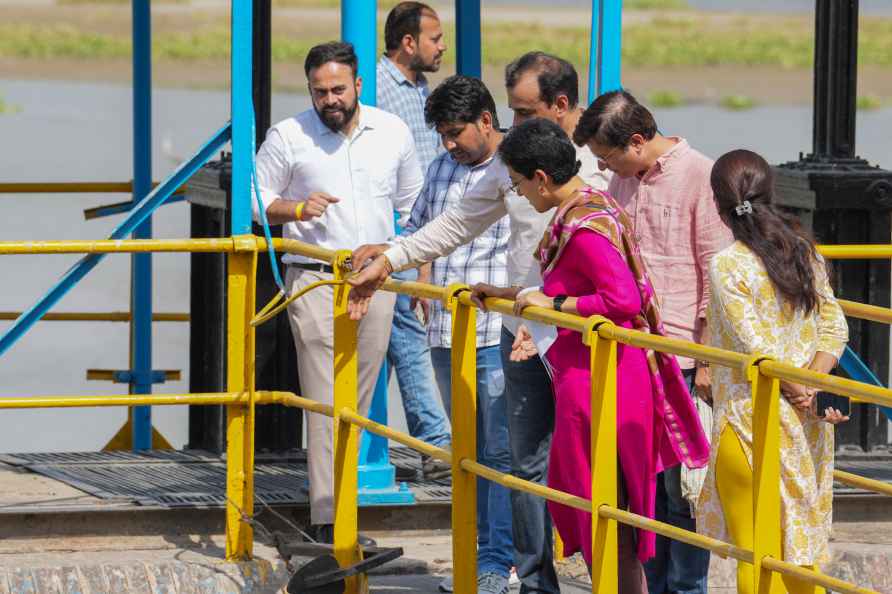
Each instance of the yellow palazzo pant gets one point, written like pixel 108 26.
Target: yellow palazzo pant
pixel 734 482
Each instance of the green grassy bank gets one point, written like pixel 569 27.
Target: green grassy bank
pixel 671 42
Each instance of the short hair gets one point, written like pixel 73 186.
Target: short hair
pixel 612 119
pixel 556 76
pixel 333 51
pixel 459 98
pixel 540 144
pixel 405 19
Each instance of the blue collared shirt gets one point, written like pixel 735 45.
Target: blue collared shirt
pixel 400 97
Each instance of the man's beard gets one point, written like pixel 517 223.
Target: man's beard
pixel 336 119
pixel 418 65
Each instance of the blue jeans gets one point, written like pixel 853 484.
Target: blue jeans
pixel 530 401
pixel 494 549
pixel 408 353
pixel 677 568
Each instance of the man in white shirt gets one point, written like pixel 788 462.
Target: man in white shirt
pixel 527 384
pixel 540 85
pixel 333 176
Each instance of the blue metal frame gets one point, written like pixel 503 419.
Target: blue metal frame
pixel 377 476
pixel 108 210
pixel 146 206
pixel 377 484
pixel 605 48
pixel 467 33
pixel 358 21
pixel 242 115
pixel 858 370
pixel 159 376
pixel 141 264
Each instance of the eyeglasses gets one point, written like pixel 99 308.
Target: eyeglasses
pixel 605 160
pixel 514 186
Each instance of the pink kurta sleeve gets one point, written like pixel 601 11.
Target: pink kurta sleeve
pixel 615 294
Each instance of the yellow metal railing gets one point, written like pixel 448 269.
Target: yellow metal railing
pixel 600 334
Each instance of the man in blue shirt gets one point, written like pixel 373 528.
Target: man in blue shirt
pixel 414 45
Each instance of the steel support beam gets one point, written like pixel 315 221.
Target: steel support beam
pixel 467 33
pixel 141 264
pixel 605 47
pixel 83 266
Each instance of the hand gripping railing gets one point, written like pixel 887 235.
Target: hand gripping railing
pixel 599 334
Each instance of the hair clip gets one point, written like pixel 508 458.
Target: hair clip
pixel 743 208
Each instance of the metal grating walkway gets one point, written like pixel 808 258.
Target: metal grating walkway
pixel 194 478
pixel 197 479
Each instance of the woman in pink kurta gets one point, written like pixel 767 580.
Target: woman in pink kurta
pixel 597 274
pixel 591 266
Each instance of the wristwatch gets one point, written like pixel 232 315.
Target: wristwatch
pixel 558 302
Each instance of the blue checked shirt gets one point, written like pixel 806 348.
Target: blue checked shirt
pixel 400 97
pixel 483 260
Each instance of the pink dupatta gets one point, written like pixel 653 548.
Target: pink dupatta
pixel 678 434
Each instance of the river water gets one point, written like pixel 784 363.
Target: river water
pixel 82 132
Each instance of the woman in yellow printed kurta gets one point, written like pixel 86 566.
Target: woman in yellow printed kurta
pixel 771 296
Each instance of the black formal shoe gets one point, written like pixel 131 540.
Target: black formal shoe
pixel 324 534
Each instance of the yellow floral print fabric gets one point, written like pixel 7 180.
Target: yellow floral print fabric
pixel 746 315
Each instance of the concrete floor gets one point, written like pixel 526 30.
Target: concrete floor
pixel 51 532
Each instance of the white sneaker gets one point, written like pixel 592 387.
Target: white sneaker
pixel 446 584
pixel 513 580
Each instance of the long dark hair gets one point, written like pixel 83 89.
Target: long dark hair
pixel 743 185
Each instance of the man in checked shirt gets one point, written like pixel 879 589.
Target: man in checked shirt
pixel 464 115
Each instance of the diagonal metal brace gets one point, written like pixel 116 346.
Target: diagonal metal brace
pixel 119 207
pixel 139 214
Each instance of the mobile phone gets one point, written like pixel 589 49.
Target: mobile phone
pixel 827 400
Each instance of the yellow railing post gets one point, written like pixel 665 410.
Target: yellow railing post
pixel 240 417
pixel 464 441
pixel 605 555
pixel 766 479
pixel 346 435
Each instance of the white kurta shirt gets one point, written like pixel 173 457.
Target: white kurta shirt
pixel 374 172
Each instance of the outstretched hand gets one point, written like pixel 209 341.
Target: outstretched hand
pixel 368 278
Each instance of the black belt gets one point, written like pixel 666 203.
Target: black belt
pixel 315 267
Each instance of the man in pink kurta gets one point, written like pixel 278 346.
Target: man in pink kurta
pixel 663 185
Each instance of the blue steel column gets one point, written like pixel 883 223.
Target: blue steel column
pixel 358 20
pixel 467 33
pixel 605 47
pixel 377 484
pixel 141 264
pixel 242 115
